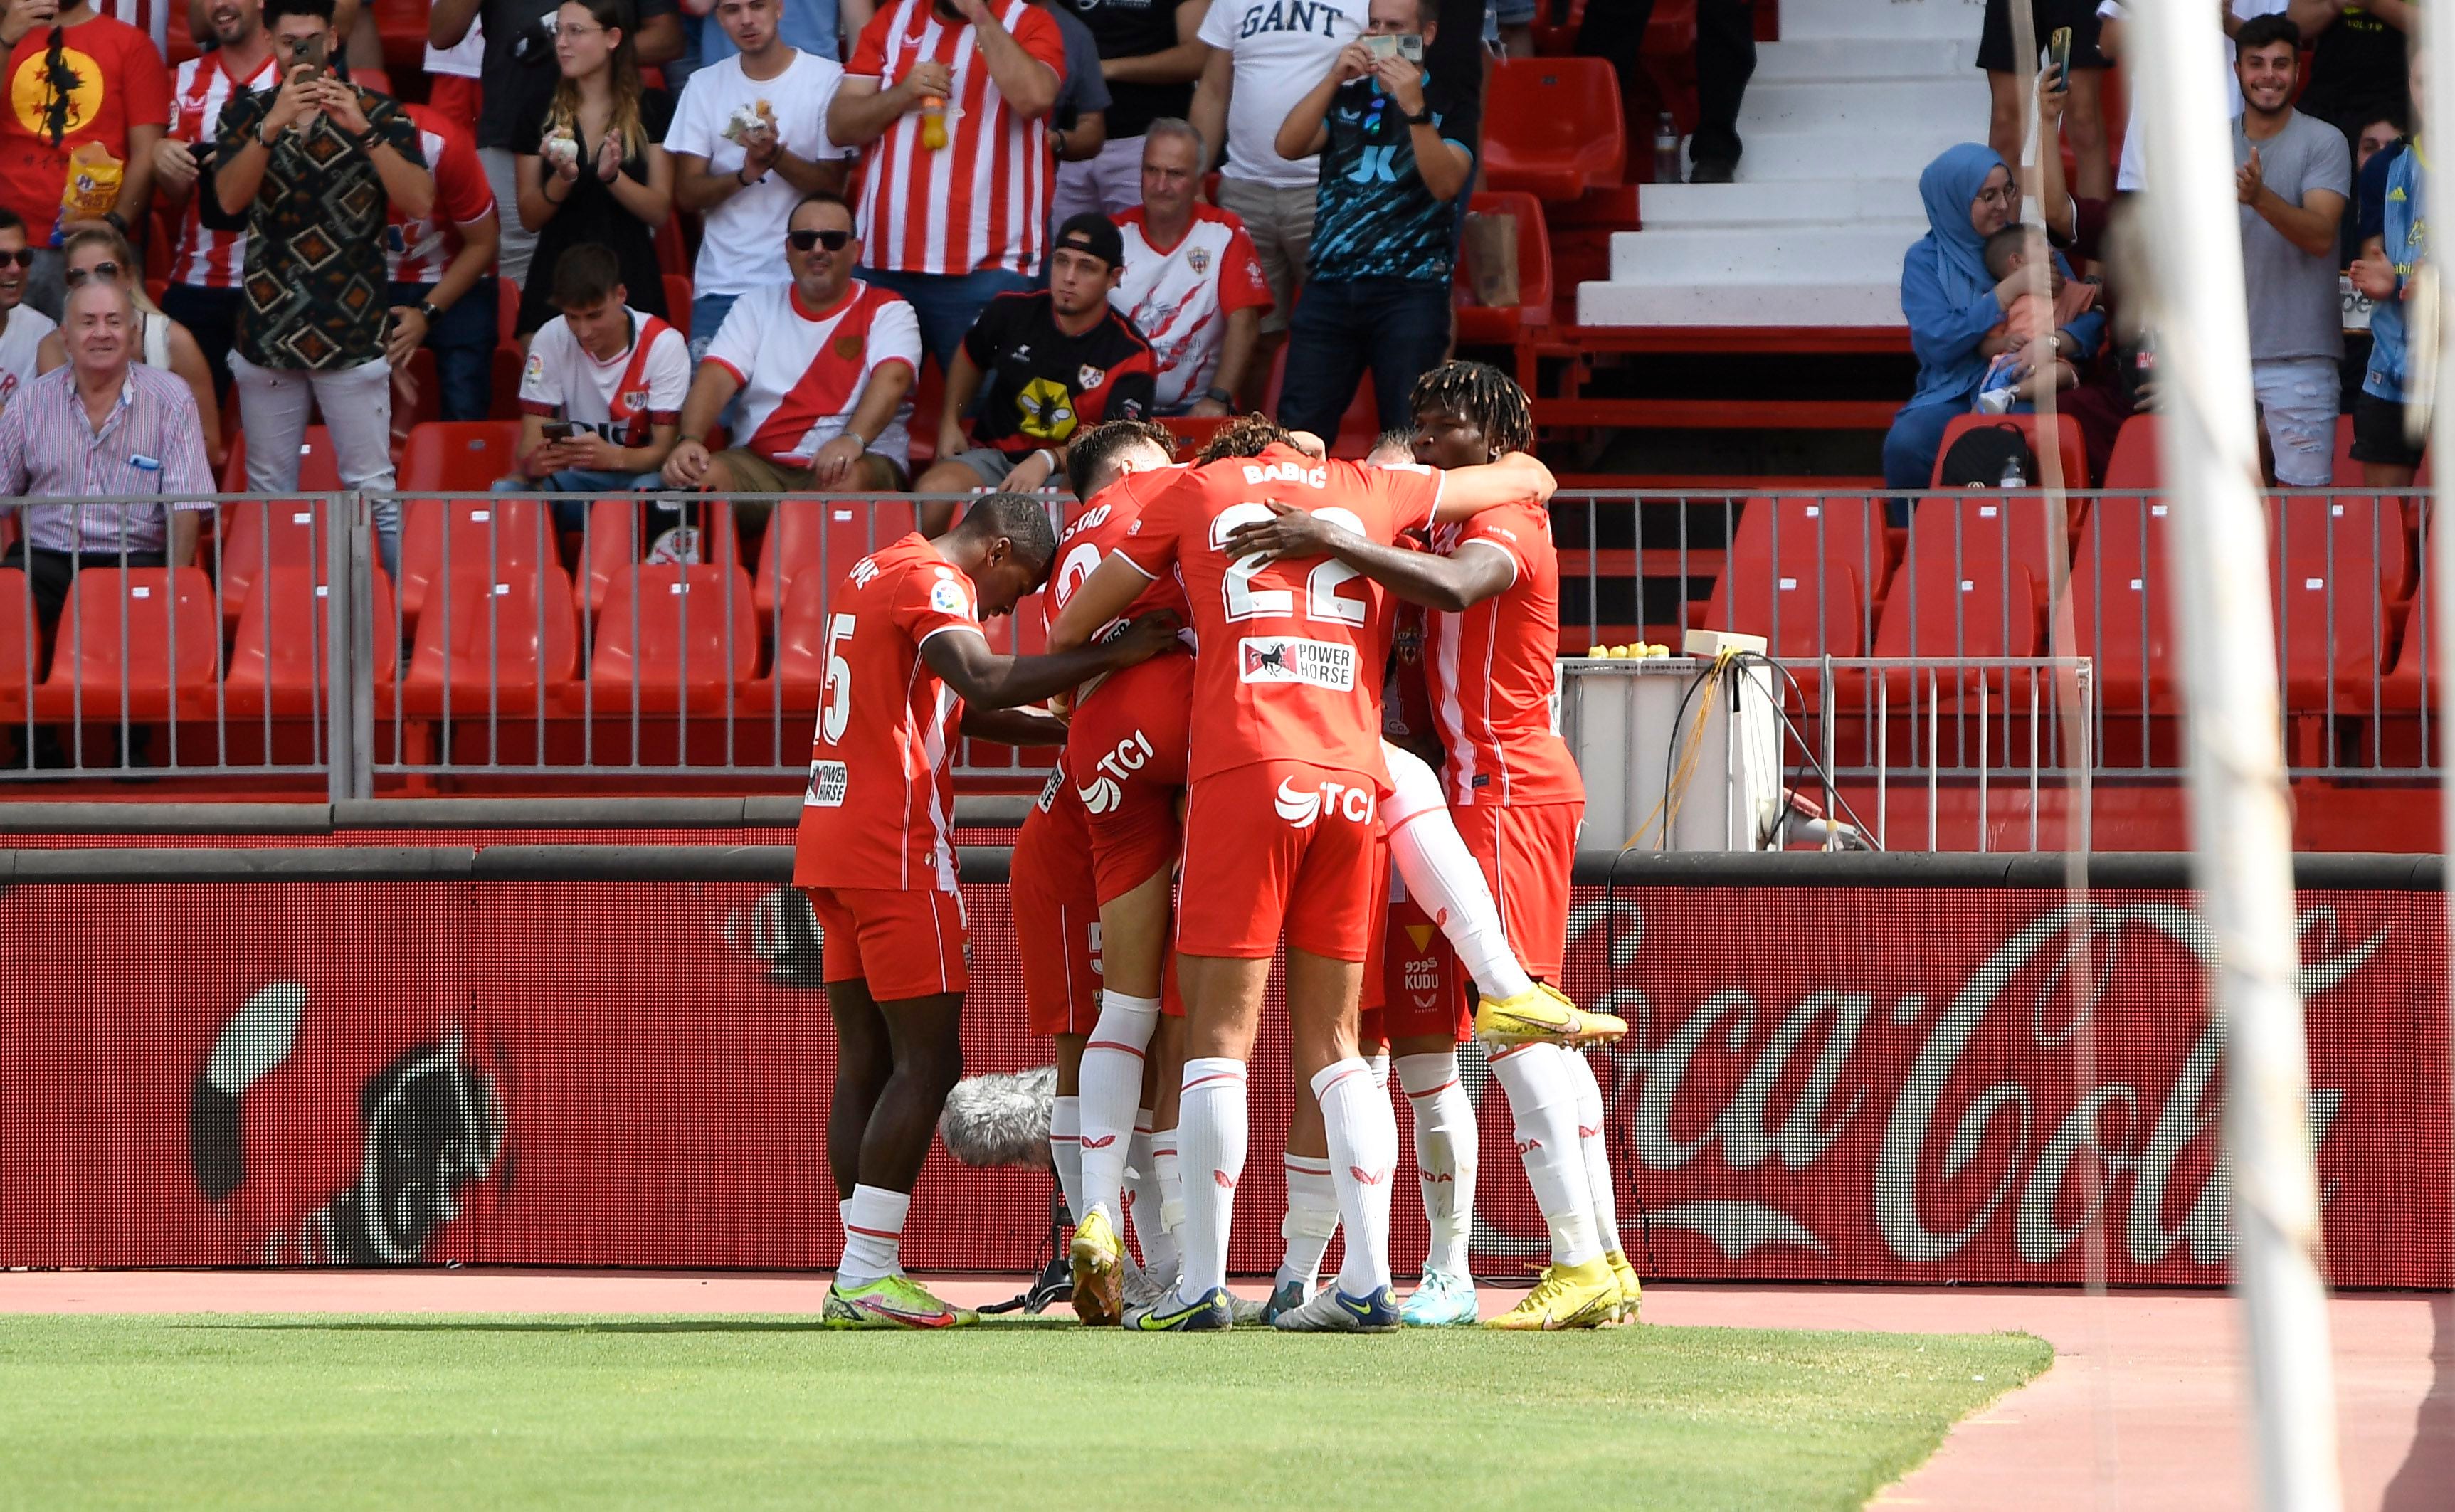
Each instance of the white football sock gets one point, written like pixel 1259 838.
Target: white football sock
pixel 1379 1063
pixel 1111 1084
pixel 1543 1098
pixel 1143 1199
pixel 1065 1150
pixel 1171 1185
pixel 1596 1150
pixel 873 1225
pixel 1447 1151
pixel 1313 1218
pixel 1363 1131
pixel 1444 877
pixel 1211 1128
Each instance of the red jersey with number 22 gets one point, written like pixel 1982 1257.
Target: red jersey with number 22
pixel 881 805
pixel 1290 662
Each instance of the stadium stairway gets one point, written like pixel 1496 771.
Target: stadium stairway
pixel 1843 112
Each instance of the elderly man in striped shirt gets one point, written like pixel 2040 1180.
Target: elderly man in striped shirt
pixel 110 431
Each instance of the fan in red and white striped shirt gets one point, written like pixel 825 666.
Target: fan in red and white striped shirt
pixel 208 258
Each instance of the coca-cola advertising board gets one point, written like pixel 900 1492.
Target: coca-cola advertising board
pixel 1865 1082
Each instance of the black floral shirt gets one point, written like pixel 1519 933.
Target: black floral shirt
pixel 317 293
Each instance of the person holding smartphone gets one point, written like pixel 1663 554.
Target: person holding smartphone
pixel 2074 22
pixel 601 392
pixel 315 166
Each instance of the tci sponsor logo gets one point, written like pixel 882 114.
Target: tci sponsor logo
pixel 2141 1132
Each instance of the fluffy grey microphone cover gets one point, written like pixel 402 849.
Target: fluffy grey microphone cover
pixel 1001 1118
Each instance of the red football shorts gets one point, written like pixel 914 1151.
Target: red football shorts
pixel 903 942
pixel 1424 990
pixel 1528 853
pixel 1127 749
pixel 1056 918
pixel 1281 845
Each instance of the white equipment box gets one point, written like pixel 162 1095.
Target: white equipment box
pixel 1634 724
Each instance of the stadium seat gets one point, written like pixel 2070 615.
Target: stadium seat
pixel 318 471
pixel 441 539
pixel 259 536
pixel 678 304
pixel 133 640
pixel 1959 532
pixel 429 384
pixel 673 246
pixel 2074 452
pixel 1552 127
pixel 2341 532
pixel 503 378
pixel 2135 463
pixel 800 665
pixel 1502 325
pixel 21 645
pixel 621 532
pixel 1791 535
pixel 2333 604
pixel 459 457
pixel 1988 613
pixel 1802 615
pixel 508 644
pixel 280 664
pixel 696 641
pixel 823 537
pixel 401 24
pixel 2119 606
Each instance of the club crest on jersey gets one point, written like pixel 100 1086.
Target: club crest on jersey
pixel 848 345
pixel 1315 663
pixel 634 399
pixel 536 373
pixel 946 597
pixel 1088 377
pixel 1198 260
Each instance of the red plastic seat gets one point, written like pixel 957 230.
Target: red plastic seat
pixel 673 637
pixel 2074 452
pixel 1802 615
pixel 461 456
pixel 1988 613
pixel 823 537
pixel 1552 127
pixel 133 640
pixel 678 303
pixel 503 378
pixel 802 641
pixel 1501 325
pixel 507 313
pixel 442 538
pixel 2332 596
pixel 21 645
pixel 2135 463
pixel 621 531
pixel 258 537
pixel 1964 533
pixel 2120 612
pixel 318 471
pixel 425 379
pixel 281 663
pixel 1791 535
pixel 2334 531
pixel 509 644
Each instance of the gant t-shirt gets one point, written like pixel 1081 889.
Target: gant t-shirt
pixel 1282 48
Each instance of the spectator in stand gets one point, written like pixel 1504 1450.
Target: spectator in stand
pixel 1078 123
pixel 2356 60
pixel 824 366
pixel 955 224
pixel 453 77
pixel 1953 306
pixel 120 98
pixel 442 269
pixel 609 380
pixel 315 165
pixel 98 252
pixel 1396 159
pixel 806 26
pixel 2293 174
pixel 2385 133
pixel 1726 59
pixel 1057 360
pixel 22 326
pixel 1150 53
pixel 102 427
pixel 1192 284
pixel 608 179
pixel 749 140
pixel 2084 117
pixel 2395 225
pixel 1508 30
pixel 1262 57
pixel 203 294
pixel 2111 25
pixel 516 79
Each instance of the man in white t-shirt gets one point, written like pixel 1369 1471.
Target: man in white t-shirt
pixel 1192 284
pixel 1265 56
pixel 824 366
pixel 749 139
pixel 2112 27
pixel 22 326
pixel 601 392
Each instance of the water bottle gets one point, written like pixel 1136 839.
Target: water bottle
pixel 2012 476
pixel 1666 151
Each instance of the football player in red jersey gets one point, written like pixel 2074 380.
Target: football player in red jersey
pixel 1287 727
pixel 1494 584
pixel 906 669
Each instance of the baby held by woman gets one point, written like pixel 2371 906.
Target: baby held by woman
pixel 2011 379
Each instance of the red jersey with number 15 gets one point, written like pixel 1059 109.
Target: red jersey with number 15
pixel 1291 651
pixel 881 805
pixel 1492 669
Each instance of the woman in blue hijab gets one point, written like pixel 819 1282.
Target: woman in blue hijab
pixel 1951 304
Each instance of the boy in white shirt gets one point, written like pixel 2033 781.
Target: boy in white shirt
pixel 601 394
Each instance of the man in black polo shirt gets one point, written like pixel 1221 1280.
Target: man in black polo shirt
pixel 1058 361
pixel 1397 160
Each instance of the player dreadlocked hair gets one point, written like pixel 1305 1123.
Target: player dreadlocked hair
pixel 1246 436
pixel 1090 462
pixel 1483 394
pixel 1021 518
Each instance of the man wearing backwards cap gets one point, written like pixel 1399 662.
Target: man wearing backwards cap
pixel 1056 362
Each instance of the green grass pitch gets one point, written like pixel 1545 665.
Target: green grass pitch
pixel 516 1412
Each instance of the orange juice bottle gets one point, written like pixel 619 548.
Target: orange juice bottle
pixel 933 123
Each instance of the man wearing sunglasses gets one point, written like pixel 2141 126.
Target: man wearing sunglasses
pixel 22 326
pixel 824 365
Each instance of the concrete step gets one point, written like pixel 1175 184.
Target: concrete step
pixel 1794 254
pixel 1903 152
pixel 1859 106
pixel 1953 20
pixel 1866 303
pixel 1864 59
pixel 1674 206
